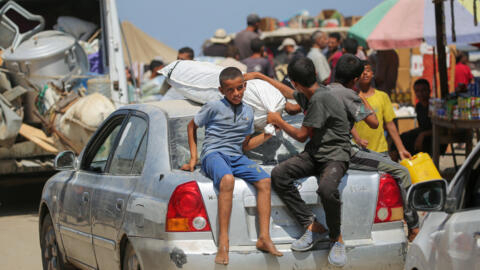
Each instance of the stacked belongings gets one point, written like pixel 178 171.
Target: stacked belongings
pixel 43 103
pixel 198 81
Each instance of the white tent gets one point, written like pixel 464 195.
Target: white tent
pixel 142 47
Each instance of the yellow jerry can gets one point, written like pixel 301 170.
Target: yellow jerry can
pixel 421 168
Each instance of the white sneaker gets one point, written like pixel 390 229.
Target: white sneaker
pixel 337 255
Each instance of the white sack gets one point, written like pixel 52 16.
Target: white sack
pixel 263 98
pixel 82 119
pixel 198 81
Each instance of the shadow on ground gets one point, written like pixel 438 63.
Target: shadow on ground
pixel 21 199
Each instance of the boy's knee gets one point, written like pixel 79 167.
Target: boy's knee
pixel 227 183
pixel 328 191
pixel 264 184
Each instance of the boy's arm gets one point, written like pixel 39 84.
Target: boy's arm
pixel 361 142
pixel 371 119
pixel 253 142
pixel 392 130
pixel 299 134
pixel 192 142
pixel 292 109
pixel 286 91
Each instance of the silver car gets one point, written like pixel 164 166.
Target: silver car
pixel 124 204
pixel 449 236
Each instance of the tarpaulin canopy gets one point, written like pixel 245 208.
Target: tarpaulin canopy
pixel 143 48
pixel 406 23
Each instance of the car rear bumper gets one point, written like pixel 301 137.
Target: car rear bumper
pixel 385 250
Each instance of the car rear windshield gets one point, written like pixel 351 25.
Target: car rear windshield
pixel 275 150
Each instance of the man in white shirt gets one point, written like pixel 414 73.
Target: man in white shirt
pixel 315 54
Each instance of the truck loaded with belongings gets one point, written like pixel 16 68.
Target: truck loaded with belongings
pixel 61 74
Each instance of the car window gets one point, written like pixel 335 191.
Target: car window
pixel 467 187
pixel 178 141
pixel 100 158
pixel 140 158
pixel 280 147
pixel 128 146
pixel 275 150
pixel 471 196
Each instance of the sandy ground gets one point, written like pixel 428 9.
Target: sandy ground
pixel 19 242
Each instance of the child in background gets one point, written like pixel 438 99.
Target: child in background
pixel 374 139
pixel 374 155
pixel 420 139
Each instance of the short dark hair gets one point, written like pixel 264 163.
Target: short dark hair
pixel 229 73
pixel 232 51
pixel 187 50
pixel 154 64
pixel 350 45
pixel 253 19
pixel 302 71
pixel 348 68
pixel 256 45
pixel 459 56
pixel 335 35
pixel 422 81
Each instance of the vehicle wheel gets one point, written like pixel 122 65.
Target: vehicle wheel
pixel 130 260
pixel 51 257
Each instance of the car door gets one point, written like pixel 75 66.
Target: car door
pixel 123 171
pixel 76 197
pixel 458 240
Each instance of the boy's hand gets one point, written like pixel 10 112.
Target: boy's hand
pixel 252 75
pixel 189 166
pixel 404 154
pixel 273 118
pixel 362 143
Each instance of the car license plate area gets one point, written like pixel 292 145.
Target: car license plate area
pixel 283 226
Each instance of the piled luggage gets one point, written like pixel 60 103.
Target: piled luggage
pixel 49 99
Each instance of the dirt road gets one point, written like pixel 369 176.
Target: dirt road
pixel 19 244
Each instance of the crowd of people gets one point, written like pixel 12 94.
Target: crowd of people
pixel 345 120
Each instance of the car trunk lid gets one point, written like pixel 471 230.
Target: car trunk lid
pixel 358 193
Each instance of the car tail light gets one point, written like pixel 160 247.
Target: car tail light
pixel 186 210
pixel 389 203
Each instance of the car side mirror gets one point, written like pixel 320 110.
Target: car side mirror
pixel 66 161
pixel 428 196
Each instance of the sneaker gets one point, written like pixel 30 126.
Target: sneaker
pixel 308 240
pixel 337 255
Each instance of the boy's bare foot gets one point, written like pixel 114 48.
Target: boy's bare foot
pixel 222 255
pixel 268 246
pixel 412 233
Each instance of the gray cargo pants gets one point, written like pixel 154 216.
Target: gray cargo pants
pixel 364 159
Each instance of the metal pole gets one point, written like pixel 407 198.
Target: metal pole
pixel 442 57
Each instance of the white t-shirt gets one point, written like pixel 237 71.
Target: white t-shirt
pixel 321 64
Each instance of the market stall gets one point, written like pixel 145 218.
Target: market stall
pixel 454 120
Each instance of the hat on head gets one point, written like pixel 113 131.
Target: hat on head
pixel 287 42
pixel 220 36
pixel 253 19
